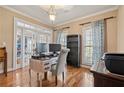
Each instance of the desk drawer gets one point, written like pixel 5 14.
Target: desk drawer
pixel 1 60
pixel 47 63
pixel 47 66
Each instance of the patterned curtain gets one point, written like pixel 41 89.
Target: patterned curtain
pixel 58 37
pixel 98 29
pixel 61 37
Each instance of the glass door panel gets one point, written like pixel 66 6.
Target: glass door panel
pixel 19 48
pixel 27 47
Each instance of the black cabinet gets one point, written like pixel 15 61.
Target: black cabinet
pixel 73 43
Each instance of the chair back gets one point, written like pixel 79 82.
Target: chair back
pixel 36 65
pixel 62 61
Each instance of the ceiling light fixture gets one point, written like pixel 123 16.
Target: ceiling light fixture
pixel 52 13
pixel 52 10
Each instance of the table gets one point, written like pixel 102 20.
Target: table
pixel 3 58
pixel 103 78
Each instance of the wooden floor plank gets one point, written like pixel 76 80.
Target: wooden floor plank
pixel 74 77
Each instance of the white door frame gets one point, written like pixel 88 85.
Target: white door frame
pixel 15 44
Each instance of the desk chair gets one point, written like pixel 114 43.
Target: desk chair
pixel 38 67
pixel 61 63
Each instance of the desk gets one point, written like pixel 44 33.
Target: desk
pixel 47 62
pixel 103 78
pixel 3 58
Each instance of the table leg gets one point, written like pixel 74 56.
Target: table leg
pixel 45 75
pixel 5 67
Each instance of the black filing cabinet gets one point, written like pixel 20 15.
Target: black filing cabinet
pixel 73 43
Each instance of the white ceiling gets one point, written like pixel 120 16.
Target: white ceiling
pixel 63 16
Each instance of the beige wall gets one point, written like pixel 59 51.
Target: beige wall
pixel 7 30
pixel 75 28
pixel 111 26
pixel 112 35
pixel 120 33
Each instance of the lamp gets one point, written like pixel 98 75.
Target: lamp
pixel 51 10
pixel 52 17
pixel 52 13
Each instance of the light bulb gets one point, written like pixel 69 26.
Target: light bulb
pixel 52 17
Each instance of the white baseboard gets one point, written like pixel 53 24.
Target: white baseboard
pixel 9 69
pixel 85 66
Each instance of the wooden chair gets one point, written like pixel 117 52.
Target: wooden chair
pixel 3 58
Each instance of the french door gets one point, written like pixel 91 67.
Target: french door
pixel 25 37
pixel 24 47
pixel 27 46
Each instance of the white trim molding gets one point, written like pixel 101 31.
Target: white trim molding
pixel 21 13
pixel 85 66
pixel 9 69
pixel 94 14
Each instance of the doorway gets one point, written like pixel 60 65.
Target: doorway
pixel 26 35
pixel 24 47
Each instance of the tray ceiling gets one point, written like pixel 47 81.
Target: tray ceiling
pixel 63 15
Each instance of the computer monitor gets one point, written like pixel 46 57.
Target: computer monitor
pixel 54 48
pixel 41 48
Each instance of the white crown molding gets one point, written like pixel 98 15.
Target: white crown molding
pixel 21 13
pixel 94 14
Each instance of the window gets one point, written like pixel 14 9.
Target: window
pixel 20 24
pixel 93 42
pixel 87 45
pixel 44 38
pixel 48 39
pixel 62 37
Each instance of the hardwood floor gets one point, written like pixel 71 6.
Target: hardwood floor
pixel 74 77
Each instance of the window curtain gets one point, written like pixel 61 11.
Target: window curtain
pixel 98 30
pixel 62 37
pixel 58 36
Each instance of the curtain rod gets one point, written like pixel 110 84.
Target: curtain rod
pixel 61 28
pixel 104 19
